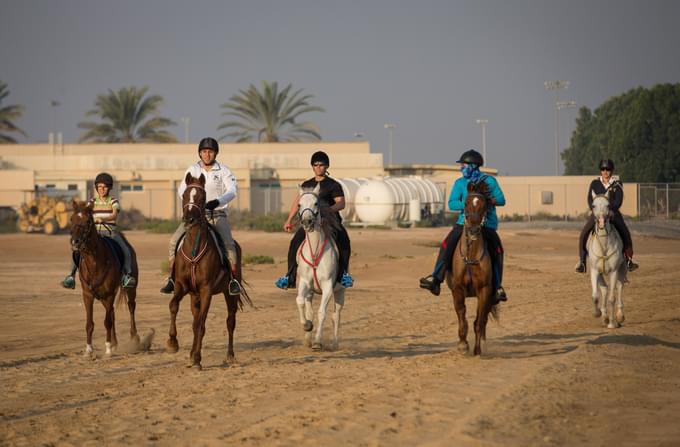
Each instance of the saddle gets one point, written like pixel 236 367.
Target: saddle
pixel 221 248
pixel 117 251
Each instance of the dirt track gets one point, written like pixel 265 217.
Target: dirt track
pixel 550 373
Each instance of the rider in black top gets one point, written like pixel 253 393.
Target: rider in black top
pixel 599 186
pixel 331 195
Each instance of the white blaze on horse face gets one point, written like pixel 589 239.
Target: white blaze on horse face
pixel 192 194
pixel 475 201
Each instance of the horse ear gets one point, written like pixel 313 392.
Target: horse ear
pixel 90 205
pixel 188 177
pixel 592 193
pixel 606 194
pixel 202 179
pixel 470 187
pixel 317 188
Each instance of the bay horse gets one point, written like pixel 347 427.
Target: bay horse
pixel 607 267
pixel 318 264
pixel 471 269
pixel 199 271
pixel 100 271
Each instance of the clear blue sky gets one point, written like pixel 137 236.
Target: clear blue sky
pixel 430 67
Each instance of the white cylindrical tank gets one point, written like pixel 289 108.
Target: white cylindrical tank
pixel 350 186
pixel 374 202
pixel 414 210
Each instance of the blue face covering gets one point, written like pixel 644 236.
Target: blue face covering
pixel 471 172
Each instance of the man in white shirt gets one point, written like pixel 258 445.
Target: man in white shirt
pixel 220 189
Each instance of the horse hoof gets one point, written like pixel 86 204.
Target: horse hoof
pixel 612 325
pixel 229 360
pixel 316 346
pixel 89 355
pixel 597 313
pixel 620 317
pixel 135 340
pixel 172 346
pixel 196 367
pixel 308 326
pixel 463 347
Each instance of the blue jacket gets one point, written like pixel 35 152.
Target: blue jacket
pixel 459 193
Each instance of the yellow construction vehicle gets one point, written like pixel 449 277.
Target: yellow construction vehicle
pixel 48 214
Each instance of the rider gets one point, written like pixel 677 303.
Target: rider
pixel 105 211
pixel 606 182
pixel 471 161
pixel 331 194
pixel 220 189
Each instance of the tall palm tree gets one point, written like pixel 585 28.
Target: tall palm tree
pixel 270 115
pixel 7 114
pixel 128 117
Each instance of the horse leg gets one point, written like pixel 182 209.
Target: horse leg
pixel 459 305
pixel 309 316
pixel 110 324
pixel 131 297
pixel 326 295
pixel 232 308
pixel 597 313
pixel 602 286
pixel 338 304
pixel 195 310
pixel 620 317
pixel 172 343
pixel 301 301
pixel 88 302
pixel 483 307
pixel 199 325
pixel 611 300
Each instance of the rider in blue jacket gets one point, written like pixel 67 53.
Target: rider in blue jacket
pixel 471 161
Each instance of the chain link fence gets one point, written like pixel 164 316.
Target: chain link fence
pixel 659 200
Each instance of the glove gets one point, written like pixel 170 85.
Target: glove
pixel 212 204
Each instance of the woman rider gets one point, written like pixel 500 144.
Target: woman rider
pixel 471 161
pixel 606 182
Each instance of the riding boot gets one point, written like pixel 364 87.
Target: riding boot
pixel 70 281
pixel 234 284
pixel 169 286
pixel 500 291
pixel 632 266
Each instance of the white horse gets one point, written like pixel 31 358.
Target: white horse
pixel 318 264
pixel 607 266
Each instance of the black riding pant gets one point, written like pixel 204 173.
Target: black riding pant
pixel 341 241
pixel 617 220
pixel 449 244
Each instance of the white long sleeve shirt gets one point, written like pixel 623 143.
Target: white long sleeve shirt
pixel 220 183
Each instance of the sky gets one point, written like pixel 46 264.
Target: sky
pixel 431 68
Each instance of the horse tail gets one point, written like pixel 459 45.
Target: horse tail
pixel 243 297
pixel 495 313
pixel 121 298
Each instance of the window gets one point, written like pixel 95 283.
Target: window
pixel 138 187
pixel 50 186
pixel 127 187
pixel 546 198
pixel 72 187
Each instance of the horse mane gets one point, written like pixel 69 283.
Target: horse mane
pixel 480 188
pixel 329 221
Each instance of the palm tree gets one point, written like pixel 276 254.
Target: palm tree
pixel 7 114
pixel 270 115
pixel 127 117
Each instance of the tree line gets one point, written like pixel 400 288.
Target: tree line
pixel 132 115
pixel 639 131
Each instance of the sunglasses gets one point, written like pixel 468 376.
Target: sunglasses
pixel 316 165
pixel 606 169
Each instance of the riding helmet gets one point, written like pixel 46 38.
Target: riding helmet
pixel 607 163
pixel 320 157
pixel 105 178
pixel 471 156
pixel 209 143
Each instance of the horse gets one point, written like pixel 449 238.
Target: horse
pixel 607 266
pixel 318 264
pixel 100 272
pixel 199 271
pixel 471 270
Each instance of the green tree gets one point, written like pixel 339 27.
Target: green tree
pixel 639 130
pixel 127 117
pixel 270 115
pixel 7 115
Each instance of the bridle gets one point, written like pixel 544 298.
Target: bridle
pixel 85 235
pixel 188 206
pixel 475 231
pixel 315 213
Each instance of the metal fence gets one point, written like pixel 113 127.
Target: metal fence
pixel 659 200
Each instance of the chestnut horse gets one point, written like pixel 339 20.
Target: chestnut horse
pixel 100 272
pixel 198 270
pixel 471 270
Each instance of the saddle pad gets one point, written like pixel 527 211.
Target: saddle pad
pixel 117 251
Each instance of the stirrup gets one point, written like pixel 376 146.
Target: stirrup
pixel 430 284
pixel 169 287
pixel 580 267
pixel 282 282
pixel 346 280
pixel 631 265
pixel 501 295
pixel 128 281
pixel 69 282
pixel 234 287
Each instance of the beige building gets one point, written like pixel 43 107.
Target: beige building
pixel 147 175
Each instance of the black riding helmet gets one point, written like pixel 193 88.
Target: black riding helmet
pixel 209 143
pixel 471 156
pixel 320 157
pixel 607 164
pixel 105 178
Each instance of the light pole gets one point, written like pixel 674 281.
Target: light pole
pixel 483 123
pixel 186 121
pixel 359 135
pixel 557 86
pixel 390 128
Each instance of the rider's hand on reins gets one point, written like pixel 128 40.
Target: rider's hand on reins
pixel 211 205
pixel 288 227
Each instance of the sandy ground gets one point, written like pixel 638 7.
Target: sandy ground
pixel 550 373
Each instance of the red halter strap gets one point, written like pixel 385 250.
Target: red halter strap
pixel 316 258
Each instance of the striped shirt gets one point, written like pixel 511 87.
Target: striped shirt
pixel 102 211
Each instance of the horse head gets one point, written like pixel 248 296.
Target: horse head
pixel 475 208
pixel 193 199
pixel 600 210
pixel 82 224
pixel 309 208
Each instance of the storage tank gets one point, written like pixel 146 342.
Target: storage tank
pixel 350 186
pixel 375 202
